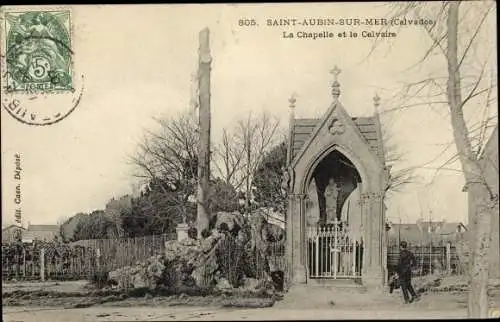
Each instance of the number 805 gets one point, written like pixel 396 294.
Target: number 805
pixel 247 22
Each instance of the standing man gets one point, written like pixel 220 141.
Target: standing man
pixel 406 262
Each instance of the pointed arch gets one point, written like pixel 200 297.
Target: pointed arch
pixel 313 163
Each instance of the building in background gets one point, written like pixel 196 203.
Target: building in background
pixel 424 233
pixel 41 233
pixel 11 233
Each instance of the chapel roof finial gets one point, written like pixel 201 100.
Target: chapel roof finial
pixel 376 102
pixel 292 101
pixel 336 85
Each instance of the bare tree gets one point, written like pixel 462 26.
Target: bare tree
pixel 400 176
pixel 229 159
pixel 168 158
pixel 459 38
pixel 259 134
pixel 241 149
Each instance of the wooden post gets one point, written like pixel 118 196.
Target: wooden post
pixel 448 258
pixel 72 266
pixel 153 249
pixel 89 261
pixel 430 252
pixel 42 264
pixel 98 259
pixel 24 262
pixel 248 145
pixel 205 61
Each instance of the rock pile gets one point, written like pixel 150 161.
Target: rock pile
pixel 234 257
pixel 143 274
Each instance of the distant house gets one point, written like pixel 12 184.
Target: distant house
pixel 10 233
pixel 489 163
pixel 425 232
pixel 40 232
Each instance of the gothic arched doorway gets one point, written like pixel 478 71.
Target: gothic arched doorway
pixel 333 219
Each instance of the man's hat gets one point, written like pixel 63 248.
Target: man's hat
pixel 403 244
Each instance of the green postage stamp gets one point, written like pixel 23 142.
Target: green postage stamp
pixel 38 53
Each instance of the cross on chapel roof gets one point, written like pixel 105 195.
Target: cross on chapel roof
pixel 376 102
pixel 292 101
pixel 336 85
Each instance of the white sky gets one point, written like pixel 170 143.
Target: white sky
pixel 138 62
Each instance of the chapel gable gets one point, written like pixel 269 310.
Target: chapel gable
pixel 303 128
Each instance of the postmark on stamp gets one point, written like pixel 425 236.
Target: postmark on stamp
pixel 38 51
pixel 39 86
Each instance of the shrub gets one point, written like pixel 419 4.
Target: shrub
pixel 100 279
pixel 205 233
pixel 230 259
pixel 223 227
pixel 192 233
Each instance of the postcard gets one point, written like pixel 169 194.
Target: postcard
pixel 249 161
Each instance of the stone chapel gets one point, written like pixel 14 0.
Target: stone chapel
pixel 336 178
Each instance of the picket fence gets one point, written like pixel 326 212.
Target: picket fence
pixel 86 258
pixel 430 259
pixel 78 260
pixel 111 254
pixel 83 259
pixel 58 263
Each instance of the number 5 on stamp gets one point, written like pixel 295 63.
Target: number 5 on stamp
pixel 38 51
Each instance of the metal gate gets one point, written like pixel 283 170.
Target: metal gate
pixel 332 253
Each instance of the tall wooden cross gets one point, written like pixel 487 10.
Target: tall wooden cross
pixel 204 68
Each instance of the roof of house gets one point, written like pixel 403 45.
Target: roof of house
pixel 11 226
pixel 303 128
pixel 54 228
pixel 413 234
pixel 41 234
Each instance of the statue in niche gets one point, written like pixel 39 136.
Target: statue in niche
pixel 312 205
pixel 331 196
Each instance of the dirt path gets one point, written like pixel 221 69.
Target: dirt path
pixel 301 302
pixel 211 314
pixel 314 297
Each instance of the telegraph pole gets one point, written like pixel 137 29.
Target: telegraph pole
pixel 205 60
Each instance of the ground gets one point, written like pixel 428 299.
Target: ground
pixel 301 302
